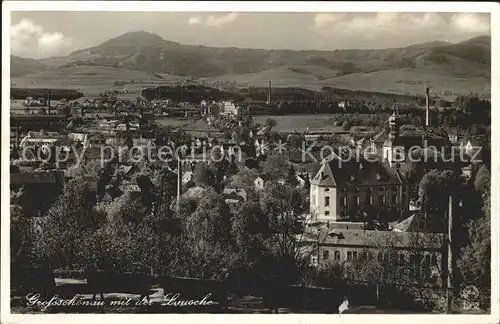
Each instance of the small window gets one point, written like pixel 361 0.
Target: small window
pixel 370 256
pixel 417 275
pixel 327 201
pixel 412 274
pixel 354 255
pixel 434 259
pixel 327 212
pixel 349 256
pixel 326 254
pixel 357 200
pixel 394 199
pixel 427 260
pixel 326 190
pixel 401 258
pixel 337 255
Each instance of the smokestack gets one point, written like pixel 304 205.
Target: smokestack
pixel 17 137
pixel 269 93
pixel 427 107
pixel 48 103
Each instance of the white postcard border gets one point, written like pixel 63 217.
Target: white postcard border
pixel 231 6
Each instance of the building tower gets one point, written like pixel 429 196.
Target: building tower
pixel 427 99
pixel 269 93
pixel 394 125
pixel 393 134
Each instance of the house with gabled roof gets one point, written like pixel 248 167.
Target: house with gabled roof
pixel 259 183
pixel 423 251
pixel 357 190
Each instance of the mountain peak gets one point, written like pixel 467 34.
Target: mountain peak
pixel 137 38
pixel 484 40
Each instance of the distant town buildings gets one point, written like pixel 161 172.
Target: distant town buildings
pixel 229 108
pixel 40 140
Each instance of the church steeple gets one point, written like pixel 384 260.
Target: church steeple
pixel 393 134
pixel 394 124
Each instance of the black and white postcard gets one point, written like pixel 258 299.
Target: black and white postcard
pixel 250 158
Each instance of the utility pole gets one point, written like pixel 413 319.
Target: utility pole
pixel 17 137
pixel 179 183
pixel 269 93
pixel 449 270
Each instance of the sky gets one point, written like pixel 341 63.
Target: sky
pixel 44 33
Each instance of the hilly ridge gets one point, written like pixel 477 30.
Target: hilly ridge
pixel 21 66
pixel 146 52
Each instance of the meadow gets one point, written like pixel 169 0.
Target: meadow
pixel 396 81
pixel 93 80
pixel 299 123
pixel 410 82
pixel 163 122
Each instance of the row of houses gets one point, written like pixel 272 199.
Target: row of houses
pixel 419 257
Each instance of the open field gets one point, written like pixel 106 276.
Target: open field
pixel 410 81
pixel 299 123
pixel 200 125
pixel 193 127
pixel 172 122
pixel 17 106
pixel 287 76
pixel 92 80
pixel 397 81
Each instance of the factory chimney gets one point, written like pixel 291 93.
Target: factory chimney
pixel 427 107
pixel 269 93
pixel 17 137
pixel 48 103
